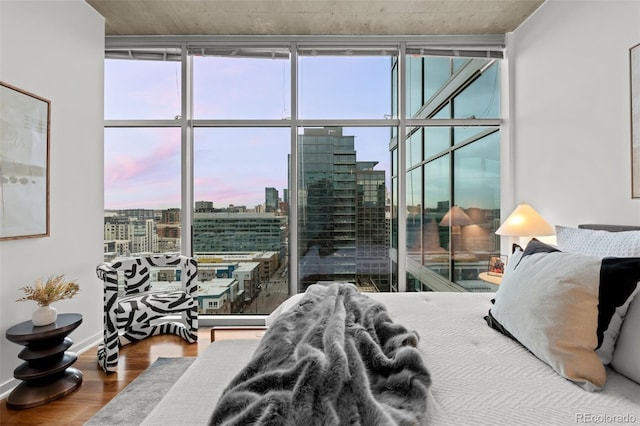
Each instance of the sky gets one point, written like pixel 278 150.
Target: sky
pixel 231 165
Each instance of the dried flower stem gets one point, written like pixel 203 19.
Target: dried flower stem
pixel 55 289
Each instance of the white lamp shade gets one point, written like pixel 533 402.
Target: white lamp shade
pixel 456 217
pixel 525 222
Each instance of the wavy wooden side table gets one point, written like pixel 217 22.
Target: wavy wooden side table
pixel 46 373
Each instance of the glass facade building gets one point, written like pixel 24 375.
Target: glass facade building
pixel 372 228
pixel 271 202
pixel 341 219
pixel 238 232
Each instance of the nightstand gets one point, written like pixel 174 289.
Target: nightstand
pixel 46 373
pixel 493 279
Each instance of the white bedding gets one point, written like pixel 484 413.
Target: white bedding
pixel 480 377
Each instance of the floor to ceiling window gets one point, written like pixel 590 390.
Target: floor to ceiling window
pixel 290 162
pixel 453 172
pixel 343 172
pixel 142 162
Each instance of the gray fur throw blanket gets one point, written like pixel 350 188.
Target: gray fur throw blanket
pixel 334 359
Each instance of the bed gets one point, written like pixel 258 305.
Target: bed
pixel 476 374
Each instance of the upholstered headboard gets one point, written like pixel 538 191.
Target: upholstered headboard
pixel 610 228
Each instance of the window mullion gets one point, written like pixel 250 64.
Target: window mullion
pixel 293 176
pixel 402 172
pixel 186 140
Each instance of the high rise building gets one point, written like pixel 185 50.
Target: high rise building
pixel 270 199
pixel 372 235
pixel 144 238
pixel 341 206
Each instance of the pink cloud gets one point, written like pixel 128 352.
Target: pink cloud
pixel 121 169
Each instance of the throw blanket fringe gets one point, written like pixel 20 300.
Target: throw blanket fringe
pixel 334 359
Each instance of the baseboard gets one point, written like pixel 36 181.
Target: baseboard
pixel 80 347
pixel 88 343
pixel 7 387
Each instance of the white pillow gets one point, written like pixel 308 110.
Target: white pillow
pixel 534 310
pixel 513 261
pixel 598 243
pixel 626 356
pixel 282 308
pixel 561 307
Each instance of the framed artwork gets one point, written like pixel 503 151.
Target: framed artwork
pixel 634 60
pixel 24 164
pixel 497 265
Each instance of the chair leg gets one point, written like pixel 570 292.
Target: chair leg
pixel 108 351
pixel 190 319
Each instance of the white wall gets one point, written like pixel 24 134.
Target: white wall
pixel 570 112
pixel 56 50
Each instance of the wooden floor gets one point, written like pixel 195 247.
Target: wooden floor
pixel 98 387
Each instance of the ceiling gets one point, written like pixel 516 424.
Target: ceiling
pixel 313 17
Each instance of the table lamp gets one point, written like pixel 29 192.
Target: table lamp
pixel 455 218
pixel 525 223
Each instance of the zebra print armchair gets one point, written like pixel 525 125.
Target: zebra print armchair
pixel 131 316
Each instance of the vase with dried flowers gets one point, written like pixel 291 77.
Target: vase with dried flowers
pixel 44 294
